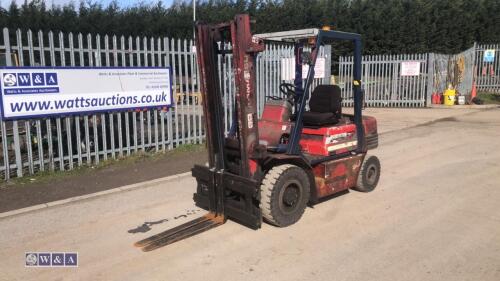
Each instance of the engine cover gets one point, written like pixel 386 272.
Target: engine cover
pixel 329 140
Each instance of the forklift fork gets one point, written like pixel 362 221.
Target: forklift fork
pixel 213 218
pixel 180 232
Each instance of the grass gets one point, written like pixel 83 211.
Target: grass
pixel 49 176
pixel 489 98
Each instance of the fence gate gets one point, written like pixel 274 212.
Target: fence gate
pixel 388 80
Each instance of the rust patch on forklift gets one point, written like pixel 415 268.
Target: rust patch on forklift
pixel 337 175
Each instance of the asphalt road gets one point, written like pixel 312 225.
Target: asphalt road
pixel 434 216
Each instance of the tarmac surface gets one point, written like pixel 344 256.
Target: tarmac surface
pixel 433 216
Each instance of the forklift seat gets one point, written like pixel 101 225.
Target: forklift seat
pixel 325 106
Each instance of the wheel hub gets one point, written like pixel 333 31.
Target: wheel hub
pixel 290 197
pixel 371 175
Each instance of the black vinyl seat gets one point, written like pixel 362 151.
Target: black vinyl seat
pixel 325 106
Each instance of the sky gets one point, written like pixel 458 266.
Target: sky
pixel 123 3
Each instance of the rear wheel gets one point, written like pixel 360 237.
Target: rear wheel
pixel 369 174
pixel 284 194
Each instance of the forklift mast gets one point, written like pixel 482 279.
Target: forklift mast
pixel 244 50
pixel 228 187
pixel 244 55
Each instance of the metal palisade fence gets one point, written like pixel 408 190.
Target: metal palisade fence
pixel 383 84
pixel 62 143
pixel 387 84
pixel 66 142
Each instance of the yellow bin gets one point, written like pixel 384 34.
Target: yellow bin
pixel 449 96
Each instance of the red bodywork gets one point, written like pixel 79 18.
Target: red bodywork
pixel 274 125
pixel 330 176
pixel 336 139
pixel 325 141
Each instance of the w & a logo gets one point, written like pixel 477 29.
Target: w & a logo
pixel 9 80
pixel 51 259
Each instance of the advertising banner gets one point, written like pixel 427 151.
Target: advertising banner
pixel 34 92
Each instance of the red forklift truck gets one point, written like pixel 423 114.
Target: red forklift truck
pixel 271 168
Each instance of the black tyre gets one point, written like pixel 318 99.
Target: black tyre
pixel 369 174
pixel 284 194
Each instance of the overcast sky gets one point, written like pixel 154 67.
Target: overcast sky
pixel 123 3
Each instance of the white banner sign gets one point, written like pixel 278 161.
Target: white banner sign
pixel 410 68
pixel 36 92
pixel 288 69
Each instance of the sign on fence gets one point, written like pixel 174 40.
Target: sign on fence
pixel 410 68
pixel 35 92
pixel 489 55
pixel 288 69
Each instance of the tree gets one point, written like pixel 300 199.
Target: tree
pixel 387 26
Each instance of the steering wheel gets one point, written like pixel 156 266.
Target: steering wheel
pixel 273 97
pixel 287 89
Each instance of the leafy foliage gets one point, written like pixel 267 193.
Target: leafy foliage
pixel 388 26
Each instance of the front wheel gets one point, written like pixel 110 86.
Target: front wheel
pixel 369 174
pixel 284 195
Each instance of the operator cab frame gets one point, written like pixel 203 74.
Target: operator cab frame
pixel 320 114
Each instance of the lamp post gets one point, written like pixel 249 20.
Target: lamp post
pixel 194 18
